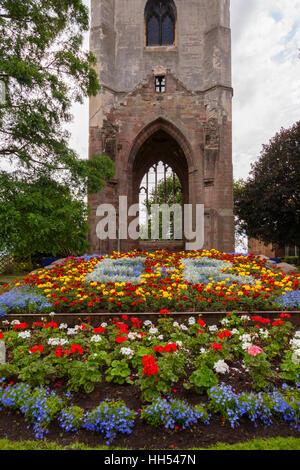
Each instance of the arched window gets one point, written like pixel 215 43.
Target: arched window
pixel 160 16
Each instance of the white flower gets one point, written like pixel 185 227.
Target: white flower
pixel 147 322
pixel 153 331
pixel 297 334
pixel 295 343
pixel 161 337
pixel 264 333
pixel 213 328
pixel 51 314
pixel 175 323
pixel 296 357
pixel 96 339
pixel 127 352
pixel 24 334
pixel 234 331
pixel 57 341
pixel 221 367
pixel 225 321
pixel 246 345
pixel 15 322
pixel 245 318
pixel 132 335
pixel 62 326
pixel 179 343
pixel 104 325
pixel 191 321
pixel 202 351
pixel 183 327
pixel 245 338
pixel 72 331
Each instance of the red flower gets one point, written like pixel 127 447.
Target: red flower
pixel 170 347
pixel 124 317
pixel 99 329
pixel 1 335
pixel 136 322
pixel 121 339
pixel 51 324
pixel 36 348
pixel 20 326
pixel 201 322
pixel 216 346
pixel 59 352
pixel 164 311
pixel 150 366
pixel 37 323
pixel 76 348
pixel 224 334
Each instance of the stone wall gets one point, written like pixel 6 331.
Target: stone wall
pixel 194 112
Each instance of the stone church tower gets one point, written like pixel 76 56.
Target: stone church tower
pixel 166 95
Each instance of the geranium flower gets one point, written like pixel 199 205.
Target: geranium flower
pixel 121 339
pixel 76 348
pixel 99 329
pixel 36 348
pixel 164 311
pixel 255 350
pixel 20 326
pixel 60 352
pixel 216 346
pixel 51 324
pixel 150 366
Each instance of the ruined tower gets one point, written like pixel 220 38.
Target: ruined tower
pixel 166 95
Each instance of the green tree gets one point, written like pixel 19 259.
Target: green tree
pixel 45 70
pixel 267 204
pixel 41 216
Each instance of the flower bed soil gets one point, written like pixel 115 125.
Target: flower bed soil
pixel 144 436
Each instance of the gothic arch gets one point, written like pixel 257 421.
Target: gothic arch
pixel 150 129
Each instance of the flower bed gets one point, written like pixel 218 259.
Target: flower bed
pixel 127 380
pixel 148 282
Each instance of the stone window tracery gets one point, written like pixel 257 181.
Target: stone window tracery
pixel 160 17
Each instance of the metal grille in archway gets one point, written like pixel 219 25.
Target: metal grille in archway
pixel 160 186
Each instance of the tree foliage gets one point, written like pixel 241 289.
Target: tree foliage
pixel 267 204
pixel 45 70
pixel 41 216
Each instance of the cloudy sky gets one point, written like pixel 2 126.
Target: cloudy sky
pixel 266 78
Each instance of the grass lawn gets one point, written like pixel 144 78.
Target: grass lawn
pixel 272 444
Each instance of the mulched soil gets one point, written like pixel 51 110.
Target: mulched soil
pixel 144 436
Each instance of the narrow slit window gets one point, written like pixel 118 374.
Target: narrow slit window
pixel 160 84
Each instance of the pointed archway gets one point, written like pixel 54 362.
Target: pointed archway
pixel 160 144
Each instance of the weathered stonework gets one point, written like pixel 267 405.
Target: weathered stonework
pixel 189 126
